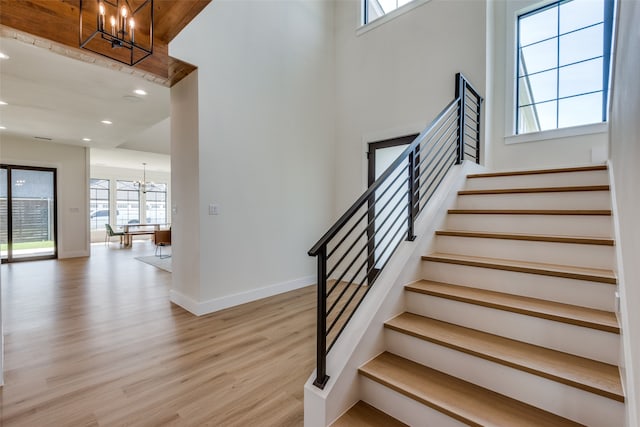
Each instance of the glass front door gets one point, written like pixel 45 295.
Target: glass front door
pixel 28 206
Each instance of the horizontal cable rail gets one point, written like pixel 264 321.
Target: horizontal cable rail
pixel 355 250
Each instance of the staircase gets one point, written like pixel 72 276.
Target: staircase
pixel 514 321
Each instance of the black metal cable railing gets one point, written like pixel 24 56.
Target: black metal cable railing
pixel 358 246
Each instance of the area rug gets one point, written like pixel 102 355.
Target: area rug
pixel 162 263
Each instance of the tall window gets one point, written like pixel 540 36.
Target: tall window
pixel 98 203
pixel 128 203
pixel 563 65
pixel 374 9
pixel 156 209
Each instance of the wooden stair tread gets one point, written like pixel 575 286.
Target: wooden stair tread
pixel 534 190
pixel 454 397
pixel 566 313
pixel 364 415
pixel 529 237
pixel 539 171
pixel 566 271
pixel 599 212
pixel 590 375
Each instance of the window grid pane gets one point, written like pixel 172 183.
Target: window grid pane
pixel 580 110
pixel 580 78
pixel 156 206
pixel 536 57
pixel 538 88
pixel 538 26
pixel 98 203
pixel 538 117
pixel 581 45
pixel 128 203
pixel 574 15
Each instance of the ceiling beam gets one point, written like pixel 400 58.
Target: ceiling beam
pixel 58 21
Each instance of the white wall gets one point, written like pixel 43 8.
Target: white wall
pixel 115 174
pixel 265 145
pixel 572 150
pixel 625 160
pixel 72 164
pixel 395 78
pixel 185 172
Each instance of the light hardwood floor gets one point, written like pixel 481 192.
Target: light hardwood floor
pixel 95 342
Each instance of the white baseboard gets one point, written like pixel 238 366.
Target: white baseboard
pixel 217 304
pixel 184 301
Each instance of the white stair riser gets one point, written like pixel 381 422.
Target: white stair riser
pixel 579 255
pixel 577 340
pixel 561 200
pixel 563 179
pixel 584 293
pixel 560 399
pixel 403 408
pixel 561 225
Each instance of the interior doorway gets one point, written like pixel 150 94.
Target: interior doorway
pixel 28 213
pixel 384 203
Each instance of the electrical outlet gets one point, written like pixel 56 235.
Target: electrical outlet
pixel 214 209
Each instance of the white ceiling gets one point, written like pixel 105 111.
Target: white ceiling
pixel 129 159
pixel 57 97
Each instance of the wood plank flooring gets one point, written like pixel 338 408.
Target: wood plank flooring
pixel 96 342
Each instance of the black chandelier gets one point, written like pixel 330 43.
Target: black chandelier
pixel 125 29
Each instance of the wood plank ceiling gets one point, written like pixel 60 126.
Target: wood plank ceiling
pixel 58 21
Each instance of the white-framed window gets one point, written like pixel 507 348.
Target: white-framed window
pixel 374 9
pixel 563 54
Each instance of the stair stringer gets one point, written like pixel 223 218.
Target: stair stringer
pixel 626 363
pixel 363 338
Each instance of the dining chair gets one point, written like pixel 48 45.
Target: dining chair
pixel 110 233
pixel 162 238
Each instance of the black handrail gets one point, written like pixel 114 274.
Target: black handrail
pixel 424 164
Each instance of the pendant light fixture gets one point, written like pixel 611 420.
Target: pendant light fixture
pixel 118 29
pixel 143 185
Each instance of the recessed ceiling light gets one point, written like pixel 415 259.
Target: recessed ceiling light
pixel 4 56
pixel 86 139
pixel 3 103
pixel 140 92
pixel 107 122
